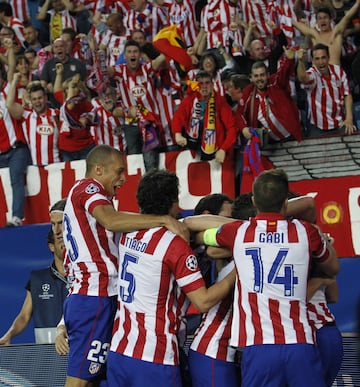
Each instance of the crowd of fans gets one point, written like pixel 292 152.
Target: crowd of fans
pixel 79 73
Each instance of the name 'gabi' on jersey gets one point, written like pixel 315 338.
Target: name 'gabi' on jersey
pixel 271 237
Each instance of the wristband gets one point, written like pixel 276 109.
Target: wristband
pixel 210 237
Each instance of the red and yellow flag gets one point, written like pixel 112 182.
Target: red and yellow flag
pixel 169 42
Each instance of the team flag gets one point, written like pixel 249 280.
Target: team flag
pixel 169 42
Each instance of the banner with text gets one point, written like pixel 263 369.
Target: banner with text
pixel 337 199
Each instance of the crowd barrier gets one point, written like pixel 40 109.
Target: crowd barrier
pixel 40 366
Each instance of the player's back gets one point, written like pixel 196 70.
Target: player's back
pixel 272 260
pixel 152 266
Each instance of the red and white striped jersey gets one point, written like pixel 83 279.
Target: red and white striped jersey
pixel 20 9
pixel 212 338
pixel 281 12
pixel 91 260
pixel 108 129
pixel 272 256
pixel 10 129
pixel 151 20
pixel 183 16
pixel 256 10
pixel 106 7
pixel 115 46
pixel 153 264
pixel 17 25
pixel 268 119
pixel 137 89
pixel 216 18
pixel 42 134
pixel 319 312
pixel 325 96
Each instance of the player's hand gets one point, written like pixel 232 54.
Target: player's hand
pixel 61 340
pixel 177 227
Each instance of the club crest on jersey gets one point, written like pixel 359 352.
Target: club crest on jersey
pixel 94 368
pixel 92 188
pixel 191 262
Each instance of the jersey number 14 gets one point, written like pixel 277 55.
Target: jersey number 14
pixel 287 279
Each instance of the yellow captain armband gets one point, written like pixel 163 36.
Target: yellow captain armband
pixel 210 237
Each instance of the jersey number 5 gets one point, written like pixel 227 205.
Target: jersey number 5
pixel 288 279
pixel 128 285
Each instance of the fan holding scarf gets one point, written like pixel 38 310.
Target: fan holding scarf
pixel 204 120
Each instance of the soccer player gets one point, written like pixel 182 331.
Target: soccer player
pixel 155 267
pixel 90 221
pixel 272 257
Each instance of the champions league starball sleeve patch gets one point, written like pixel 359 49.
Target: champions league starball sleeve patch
pixel 191 262
pixel 92 188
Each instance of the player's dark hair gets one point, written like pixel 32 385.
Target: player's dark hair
pixel 243 207
pixel 270 190
pixel 211 203
pixel 157 192
pixel 58 206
